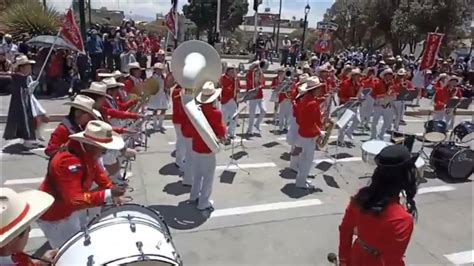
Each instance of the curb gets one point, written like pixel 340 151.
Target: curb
pixel 59 117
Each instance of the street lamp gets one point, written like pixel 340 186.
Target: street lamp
pixel 306 11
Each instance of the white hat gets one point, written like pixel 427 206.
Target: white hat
pixel 161 51
pixel 23 60
pixel 83 103
pixel 105 75
pixel 305 65
pixel 452 77
pixel 303 78
pixel 159 66
pixel 98 88
pixel 326 67
pixel 112 83
pixel 100 134
pixel 402 72
pixel 385 72
pixel 117 74
pixel 310 84
pixel 134 65
pixel 18 210
pixel 355 71
pixel 209 93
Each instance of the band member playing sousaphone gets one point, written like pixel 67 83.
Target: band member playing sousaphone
pixel 449 91
pixel 401 83
pixel 204 160
pixel 255 81
pixel 383 94
pixel 159 102
pixel 69 179
pixel 230 92
pixel 350 90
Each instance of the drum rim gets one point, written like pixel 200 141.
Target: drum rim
pixel 101 224
pixel 176 261
pixel 451 164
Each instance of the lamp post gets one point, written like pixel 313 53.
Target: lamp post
pixel 306 11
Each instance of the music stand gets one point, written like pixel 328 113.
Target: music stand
pixel 464 103
pixel 452 103
pixel 249 95
pixel 236 116
pixel 233 161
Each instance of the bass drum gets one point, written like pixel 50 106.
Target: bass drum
pixel 455 161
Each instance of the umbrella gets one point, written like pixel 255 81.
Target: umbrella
pixel 48 40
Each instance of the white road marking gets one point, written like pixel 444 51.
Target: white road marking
pixel 23 181
pixel 464 257
pixel 36 232
pixel 342 160
pixel 265 207
pixel 425 190
pixel 245 166
pixel 236 141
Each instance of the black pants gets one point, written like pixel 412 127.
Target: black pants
pixel 117 62
pixel 109 61
pixel 284 57
pixel 96 61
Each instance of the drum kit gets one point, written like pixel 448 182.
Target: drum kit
pixel 130 234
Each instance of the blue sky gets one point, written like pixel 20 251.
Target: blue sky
pixel 149 8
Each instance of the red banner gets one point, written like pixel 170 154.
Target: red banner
pixel 432 45
pixel 325 42
pixel 170 22
pixel 70 32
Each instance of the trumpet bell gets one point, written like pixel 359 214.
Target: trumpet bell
pixel 195 62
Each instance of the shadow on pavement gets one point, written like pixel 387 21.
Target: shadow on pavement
pixel 285 156
pixel 170 169
pixel 185 216
pixel 287 173
pixel 227 177
pixel 271 144
pixel 17 148
pixel 176 188
pixel 324 166
pixel 173 154
pixel 330 181
pixel 341 155
pixel 295 193
pixel 238 155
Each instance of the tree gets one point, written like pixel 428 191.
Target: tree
pixel 204 12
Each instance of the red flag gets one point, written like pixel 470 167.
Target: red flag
pixel 170 22
pixel 433 43
pixel 70 31
pixel 325 42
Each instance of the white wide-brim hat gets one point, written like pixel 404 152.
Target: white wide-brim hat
pixel 386 72
pixel 310 84
pixel 134 65
pixel 99 134
pixel 23 60
pixel 452 77
pixel 98 88
pixel 19 210
pixel 355 71
pixel 209 93
pixel 159 66
pixel 84 103
pixel 402 72
pixel 303 78
pixel 112 83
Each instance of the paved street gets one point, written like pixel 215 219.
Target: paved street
pixel 260 217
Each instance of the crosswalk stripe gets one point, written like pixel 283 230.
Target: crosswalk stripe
pixel 464 257
pixel 342 160
pixel 426 190
pixel 23 181
pixel 245 166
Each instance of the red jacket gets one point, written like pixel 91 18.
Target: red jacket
pixel 177 116
pixel 380 89
pixel 389 233
pixel 309 117
pixel 69 179
pixel 214 117
pixel 368 82
pixel 187 127
pixel 443 95
pixel 115 112
pixel 348 89
pixel 60 136
pixel 250 84
pixel 125 105
pixel 22 259
pixel 228 88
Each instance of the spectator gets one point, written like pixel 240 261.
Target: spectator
pixel 9 47
pixel 23 48
pixel 269 48
pixel 285 51
pixel 95 48
pixel 125 59
pixel 117 50
pixel 153 46
pixel 259 47
pixel 108 51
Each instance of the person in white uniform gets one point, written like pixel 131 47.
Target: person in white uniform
pixel 292 135
pixel 160 102
pixel 256 81
pixel 383 95
pixel 230 92
pixel 367 105
pixel 350 90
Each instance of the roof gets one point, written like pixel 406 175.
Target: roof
pixel 249 28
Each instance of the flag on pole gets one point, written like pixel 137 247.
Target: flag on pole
pixel 171 19
pixel 432 45
pixel 70 32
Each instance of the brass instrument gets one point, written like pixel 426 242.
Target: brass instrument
pixel 328 126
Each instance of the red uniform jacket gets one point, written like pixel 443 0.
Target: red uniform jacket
pixel 60 136
pixel 443 95
pixel 282 95
pixel 187 128
pixel 368 82
pixel 250 84
pixel 389 233
pixel 380 89
pixel 309 117
pixel 22 259
pixel 69 179
pixel 125 105
pixel 348 90
pixel 112 110
pixel 228 88
pixel 129 85
pixel 177 116
pixel 214 117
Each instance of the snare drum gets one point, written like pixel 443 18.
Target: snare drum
pixel 371 148
pixel 464 131
pixel 455 161
pixel 435 130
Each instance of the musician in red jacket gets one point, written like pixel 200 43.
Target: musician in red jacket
pixel 367 105
pixel 230 92
pixel 177 119
pixel 80 113
pixel 401 84
pixel 70 176
pixel 255 81
pixel 274 97
pixel 134 79
pixel 383 94
pixel 443 94
pixel 309 121
pixel 115 109
pixel 349 90
pixel 285 104
pixel 381 225
pixel 204 163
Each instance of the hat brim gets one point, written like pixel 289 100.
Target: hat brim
pixel 303 89
pixel 117 142
pixel 116 85
pixel 39 202
pixel 134 67
pixel 203 99
pixel 411 160
pixel 105 75
pixel 97 93
pixel 29 62
pixel 82 108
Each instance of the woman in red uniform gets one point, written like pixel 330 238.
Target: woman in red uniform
pixel 382 225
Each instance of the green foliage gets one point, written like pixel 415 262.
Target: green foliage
pixel 29 16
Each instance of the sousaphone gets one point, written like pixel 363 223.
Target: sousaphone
pixel 193 63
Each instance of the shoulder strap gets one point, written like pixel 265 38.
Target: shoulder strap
pixel 69 125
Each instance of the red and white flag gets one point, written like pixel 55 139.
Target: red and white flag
pixel 70 32
pixel 171 19
pixel 433 43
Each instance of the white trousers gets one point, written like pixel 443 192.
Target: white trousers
pixel 228 110
pixel 188 175
pixel 284 114
pixel 204 166
pixel 180 146
pixel 305 159
pixel 387 115
pixel 398 110
pixel 292 134
pixel 444 116
pixel 366 109
pixel 253 104
pixel 350 126
pixel 58 232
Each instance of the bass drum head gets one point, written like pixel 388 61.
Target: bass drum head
pixel 435 130
pixel 461 164
pixel 454 161
pixel 464 131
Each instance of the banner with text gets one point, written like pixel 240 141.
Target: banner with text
pixel 70 32
pixel 432 45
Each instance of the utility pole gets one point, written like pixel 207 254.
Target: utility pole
pixel 278 28
pixel 90 11
pixel 44 4
pixel 82 19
